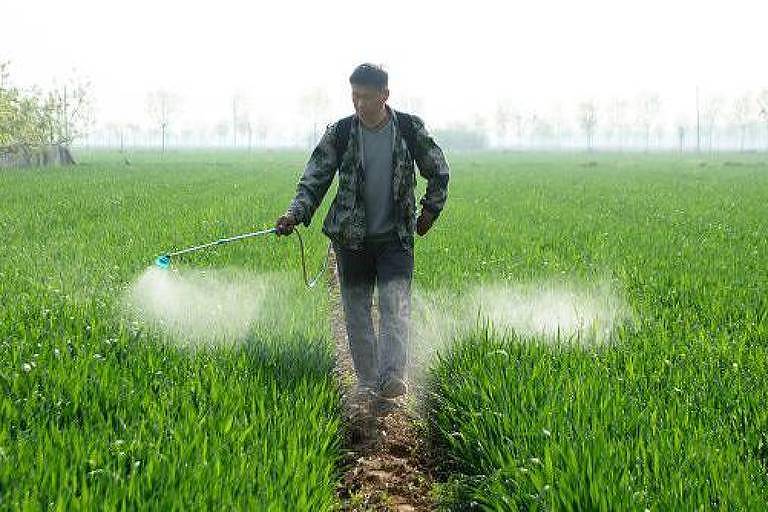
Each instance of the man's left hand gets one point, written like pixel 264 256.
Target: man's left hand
pixel 424 222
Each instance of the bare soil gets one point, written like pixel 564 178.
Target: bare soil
pixel 385 466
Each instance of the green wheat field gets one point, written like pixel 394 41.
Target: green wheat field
pixel 667 411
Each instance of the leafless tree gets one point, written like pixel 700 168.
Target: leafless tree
pixel 648 107
pixel 588 121
pixel 762 103
pixel 316 103
pixel 479 123
pixel 698 121
pixel 261 129
pixel 162 105
pixel 411 104
pixel 711 111
pixel 245 127
pixel 133 130
pixel 235 120
pixel 502 120
pixel 4 74
pixel 543 130
pixel 241 114
pixel 222 130
pixel 742 116
pixel 70 109
pixel 681 137
pixel 188 136
pixel 116 131
pixel 618 120
pixel 520 122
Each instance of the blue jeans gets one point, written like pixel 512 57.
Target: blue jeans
pixel 389 266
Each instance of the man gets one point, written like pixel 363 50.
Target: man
pixel 372 219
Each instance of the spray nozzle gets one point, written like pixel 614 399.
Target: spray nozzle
pixel 163 261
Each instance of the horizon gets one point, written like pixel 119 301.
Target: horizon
pixel 453 67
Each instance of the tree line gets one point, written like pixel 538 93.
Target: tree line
pixel 35 118
pixel 63 115
pixel 714 123
pixel 638 123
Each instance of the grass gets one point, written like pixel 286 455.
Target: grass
pixel 99 411
pixel 669 417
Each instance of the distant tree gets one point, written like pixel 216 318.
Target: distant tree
pixel 235 120
pixel 241 119
pixel 698 121
pixel 559 124
pixel 202 136
pixel 543 130
pixel 460 137
pixel 222 130
pixel 681 137
pixel 261 130
pixel 5 74
pixel 35 118
pixel 73 104
pixel 480 125
pixel 133 130
pixel 762 103
pixel 188 137
pixel 24 120
pixel 520 122
pixel 162 105
pixel 618 121
pixel 502 120
pixel 411 104
pixel 742 116
pixel 245 127
pixel 711 110
pixel 588 121
pixel 648 108
pixel 316 103
pixel 117 135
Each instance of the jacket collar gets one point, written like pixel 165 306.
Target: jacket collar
pixel 356 123
pixel 357 126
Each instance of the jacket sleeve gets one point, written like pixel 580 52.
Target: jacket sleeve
pixel 317 177
pixel 432 166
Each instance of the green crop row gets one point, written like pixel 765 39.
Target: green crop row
pixel 100 411
pixel 670 413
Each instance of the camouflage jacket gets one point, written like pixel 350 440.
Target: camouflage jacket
pixel 345 222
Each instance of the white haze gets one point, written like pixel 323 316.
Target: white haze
pixel 198 307
pixel 220 307
pixel 567 313
pixel 449 61
pixel 556 312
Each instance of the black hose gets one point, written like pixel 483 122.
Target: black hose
pixel 307 281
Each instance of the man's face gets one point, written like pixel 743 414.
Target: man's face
pixel 368 101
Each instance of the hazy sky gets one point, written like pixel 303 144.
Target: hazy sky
pixel 458 58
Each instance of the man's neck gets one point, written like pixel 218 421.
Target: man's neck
pixel 380 120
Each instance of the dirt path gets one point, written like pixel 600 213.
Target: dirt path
pixel 385 458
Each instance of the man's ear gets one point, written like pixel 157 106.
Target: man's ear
pixel 385 94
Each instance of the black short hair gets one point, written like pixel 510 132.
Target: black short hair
pixel 370 75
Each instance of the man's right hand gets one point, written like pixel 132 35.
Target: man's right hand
pixel 285 225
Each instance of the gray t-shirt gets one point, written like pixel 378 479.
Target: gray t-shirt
pixel 376 148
